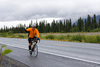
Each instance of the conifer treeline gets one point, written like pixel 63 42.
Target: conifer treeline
pixel 86 25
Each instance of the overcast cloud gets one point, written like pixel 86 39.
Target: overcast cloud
pixel 16 10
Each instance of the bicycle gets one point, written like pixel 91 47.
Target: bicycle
pixel 34 47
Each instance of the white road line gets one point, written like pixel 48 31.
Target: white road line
pixel 61 45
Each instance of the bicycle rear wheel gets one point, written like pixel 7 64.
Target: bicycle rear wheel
pixel 35 50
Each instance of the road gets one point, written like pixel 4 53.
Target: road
pixel 55 53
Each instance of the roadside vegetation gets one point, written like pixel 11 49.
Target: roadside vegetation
pixel 3 53
pixel 50 36
pixel 74 38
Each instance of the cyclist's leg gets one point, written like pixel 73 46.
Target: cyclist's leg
pixel 29 40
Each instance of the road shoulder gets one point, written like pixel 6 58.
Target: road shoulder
pixel 7 61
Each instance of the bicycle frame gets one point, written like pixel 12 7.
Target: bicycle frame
pixel 34 47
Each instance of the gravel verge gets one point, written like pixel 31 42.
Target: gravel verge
pixel 9 62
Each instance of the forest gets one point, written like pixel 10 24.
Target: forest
pixel 87 25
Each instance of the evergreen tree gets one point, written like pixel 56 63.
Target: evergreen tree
pixel 92 24
pixel 95 22
pixel 43 27
pixel 88 23
pixel 73 27
pixel 53 26
pixel 61 26
pixel 40 27
pixel 80 24
pixel 48 27
pixel 99 22
pixel 58 26
pixel 67 26
pixel 37 25
pixel 64 25
pixel 2 30
pixel 70 24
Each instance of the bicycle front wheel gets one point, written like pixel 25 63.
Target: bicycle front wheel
pixel 35 50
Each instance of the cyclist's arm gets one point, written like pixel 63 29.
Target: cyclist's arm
pixel 37 32
pixel 27 30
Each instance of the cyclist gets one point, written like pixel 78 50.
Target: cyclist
pixel 32 32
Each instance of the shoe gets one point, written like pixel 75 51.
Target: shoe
pixel 30 52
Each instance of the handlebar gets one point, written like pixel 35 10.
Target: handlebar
pixel 35 40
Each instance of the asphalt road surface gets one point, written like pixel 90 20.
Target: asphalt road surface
pixel 55 53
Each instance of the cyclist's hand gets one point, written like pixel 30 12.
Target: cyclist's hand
pixel 38 39
pixel 25 27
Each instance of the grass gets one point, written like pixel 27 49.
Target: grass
pixel 52 36
pixel 49 37
pixel 74 38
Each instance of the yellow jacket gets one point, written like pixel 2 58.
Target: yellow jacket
pixel 32 32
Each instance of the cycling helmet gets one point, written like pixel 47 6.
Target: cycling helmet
pixel 33 25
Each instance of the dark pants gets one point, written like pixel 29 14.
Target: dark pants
pixel 30 41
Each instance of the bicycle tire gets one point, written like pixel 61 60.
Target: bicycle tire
pixel 36 50
pixel 32 48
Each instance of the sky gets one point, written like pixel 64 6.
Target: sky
pixel 14 11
